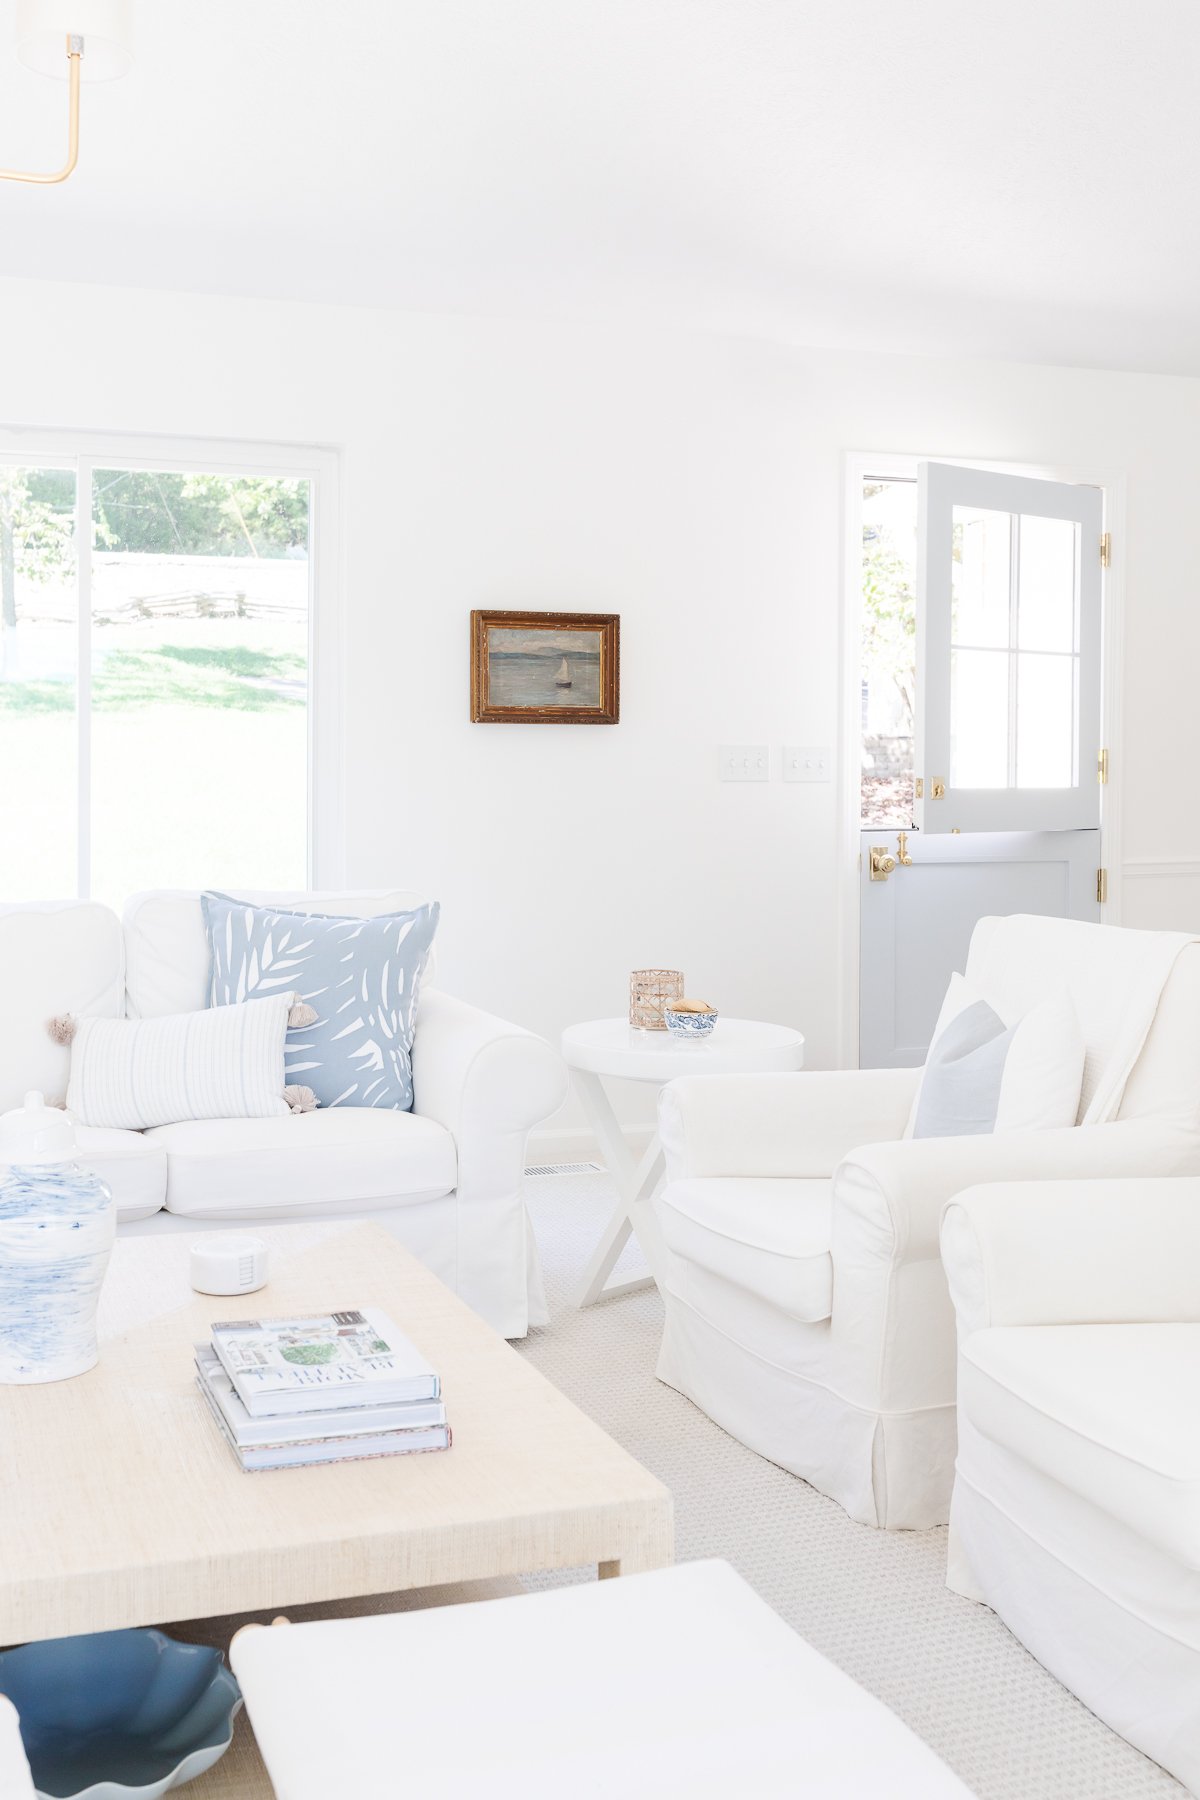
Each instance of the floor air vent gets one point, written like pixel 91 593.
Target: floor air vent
pixel 586 1168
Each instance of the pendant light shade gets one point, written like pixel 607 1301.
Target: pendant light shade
pixel 43 27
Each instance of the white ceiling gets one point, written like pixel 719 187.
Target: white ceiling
pixel 1013 179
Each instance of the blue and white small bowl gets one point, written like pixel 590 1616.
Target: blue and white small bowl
pixel 119 1715
pixel 689 1027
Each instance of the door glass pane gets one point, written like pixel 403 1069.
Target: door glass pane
pixel 1014 659
pixel 1045 721
pixel 979 718
pixel 980 577
pixel 1048 603
pixel 200 599
pixel 889 650
pixel 38 621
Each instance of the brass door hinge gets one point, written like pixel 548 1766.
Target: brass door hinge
pixel 1106 550
pixel 1102 768
pixel 1101 886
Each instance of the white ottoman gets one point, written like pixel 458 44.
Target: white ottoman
pixel 679 1682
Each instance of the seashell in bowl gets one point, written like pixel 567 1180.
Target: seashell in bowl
pixel 119 1715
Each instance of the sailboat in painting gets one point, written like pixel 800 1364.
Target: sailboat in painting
pixel 563 678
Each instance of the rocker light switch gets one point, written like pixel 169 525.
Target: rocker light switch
pixel 801 763
pixel 744 762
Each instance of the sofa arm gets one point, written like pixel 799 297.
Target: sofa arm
pixel 890 1197
pixel 783 1124
pixel 1074 1253
pixel 478 1075
pixel 488 1082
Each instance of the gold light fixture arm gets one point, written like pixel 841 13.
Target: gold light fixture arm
pixel 74 58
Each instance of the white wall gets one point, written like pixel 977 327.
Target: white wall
pixel 693 484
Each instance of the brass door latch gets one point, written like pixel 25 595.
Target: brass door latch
pixel 881 861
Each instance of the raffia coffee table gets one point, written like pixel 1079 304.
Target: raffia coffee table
pixel 121 1505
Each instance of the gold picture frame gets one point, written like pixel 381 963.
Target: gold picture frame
pixel 543 668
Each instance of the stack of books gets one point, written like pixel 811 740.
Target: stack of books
pixel 334 1388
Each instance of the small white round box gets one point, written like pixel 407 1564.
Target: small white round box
pixel 228 1262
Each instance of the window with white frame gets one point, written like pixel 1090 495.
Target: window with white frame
pixel 156 623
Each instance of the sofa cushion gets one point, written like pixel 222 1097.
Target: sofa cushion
pixel 1108 1411
pixel 983 1074
pixel 166 950
pixel 341 1160
pixel 770 1237
pixel 59 957
pixel 134 1170
pixel 360 978
pixel 224 1062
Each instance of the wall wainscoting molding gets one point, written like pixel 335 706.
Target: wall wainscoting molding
pixel 1144 867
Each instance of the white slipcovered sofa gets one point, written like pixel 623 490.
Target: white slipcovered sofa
pixel 446 1178
pixel 1076 1509
pixel 806 1305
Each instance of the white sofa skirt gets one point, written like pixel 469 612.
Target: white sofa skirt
pixel 765 1378
pixel 1113 1616
pixel 500 1276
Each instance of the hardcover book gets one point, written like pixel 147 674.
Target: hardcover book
pixel 305 1452
pixel 333 1360
pixel 335 1422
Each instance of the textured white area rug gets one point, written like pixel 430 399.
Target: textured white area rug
pixel 874 1602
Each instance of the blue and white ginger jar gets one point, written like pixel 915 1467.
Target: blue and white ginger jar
pixel 57 1225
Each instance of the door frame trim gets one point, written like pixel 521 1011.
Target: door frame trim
pixel 856 464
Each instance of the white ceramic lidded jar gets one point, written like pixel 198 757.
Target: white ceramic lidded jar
pixel 57 1225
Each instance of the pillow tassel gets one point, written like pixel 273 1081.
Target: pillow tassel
pixel 301 1014
pixel 300 1099
pixel 62 1027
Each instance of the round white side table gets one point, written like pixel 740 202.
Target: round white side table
pixel 612 1048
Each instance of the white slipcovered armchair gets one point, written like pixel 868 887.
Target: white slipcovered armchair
pixel 1076 1509
pixel 806 1305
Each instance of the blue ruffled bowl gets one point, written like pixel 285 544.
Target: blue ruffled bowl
pixel 119 1715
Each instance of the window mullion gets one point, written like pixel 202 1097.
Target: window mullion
pixel 83 674
pixel 1014 672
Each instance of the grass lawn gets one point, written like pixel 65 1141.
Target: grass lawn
pixel 199 763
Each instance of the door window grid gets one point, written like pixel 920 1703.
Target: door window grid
pixel 1015 616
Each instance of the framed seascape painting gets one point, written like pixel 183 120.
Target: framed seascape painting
pixel 545 668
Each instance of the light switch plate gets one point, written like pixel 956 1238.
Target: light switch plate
pixel 802 762
pixel 744 762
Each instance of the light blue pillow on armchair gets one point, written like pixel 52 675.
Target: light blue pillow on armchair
pixel 362 978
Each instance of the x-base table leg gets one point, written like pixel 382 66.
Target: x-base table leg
pixel 635 1181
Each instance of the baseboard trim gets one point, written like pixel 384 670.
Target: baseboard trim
pixel 561 1146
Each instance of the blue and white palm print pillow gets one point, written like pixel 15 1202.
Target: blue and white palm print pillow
pixel 362 977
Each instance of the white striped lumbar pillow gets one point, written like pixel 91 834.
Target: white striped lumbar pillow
pixel 223 1063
